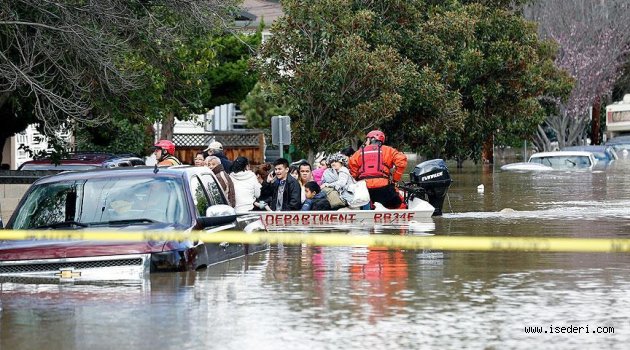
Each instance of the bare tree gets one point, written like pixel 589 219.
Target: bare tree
pixel 594 38
pixel 58 57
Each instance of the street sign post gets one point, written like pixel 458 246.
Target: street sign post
pixel 281 131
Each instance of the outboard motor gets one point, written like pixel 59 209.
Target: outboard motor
pixel 430 181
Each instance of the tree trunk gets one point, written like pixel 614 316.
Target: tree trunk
pixel 541 141
pixel 3 141
pixel 487 152
pixel 595 123
pixel 167 127
pixel 12 122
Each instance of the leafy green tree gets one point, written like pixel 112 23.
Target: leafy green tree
pixel 431 111
pixel 198 74
pixel 231 78
pixel 121 135
pixel 503 75
pixel 337 85
pixel 259 106
pixel 464 72
pixel 202 72
pixel 491 63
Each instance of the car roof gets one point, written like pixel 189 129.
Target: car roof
pixel 96 158
pixel 561 154
pixel 79 158
pixel 588 148
pixel 83 161
pixel 619 139
pixel 525 166
pixel 172 171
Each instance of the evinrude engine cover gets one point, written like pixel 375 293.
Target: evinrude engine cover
pixel 434 178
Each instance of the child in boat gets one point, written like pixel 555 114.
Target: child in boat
pixel 315 198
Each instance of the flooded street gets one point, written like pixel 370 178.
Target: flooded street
pixel 303 297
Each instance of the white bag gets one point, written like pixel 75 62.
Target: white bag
pixel 360 194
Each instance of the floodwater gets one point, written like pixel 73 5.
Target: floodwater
pixel 304 297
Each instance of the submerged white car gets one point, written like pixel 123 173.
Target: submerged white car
pixel 559 160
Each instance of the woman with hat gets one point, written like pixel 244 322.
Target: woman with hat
pixel 338 176
pixel 215 148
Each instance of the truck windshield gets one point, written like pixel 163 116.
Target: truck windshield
pixel 95 202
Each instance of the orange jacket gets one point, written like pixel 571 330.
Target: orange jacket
pixel 169 160
pixel 390 158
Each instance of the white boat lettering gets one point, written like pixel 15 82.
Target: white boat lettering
pixel 432 176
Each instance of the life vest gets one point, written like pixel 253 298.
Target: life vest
pixel 169 159
pixel 372 164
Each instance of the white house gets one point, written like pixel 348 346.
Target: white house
pixel 12 153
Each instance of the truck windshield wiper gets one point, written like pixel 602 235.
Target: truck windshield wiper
pixel 69 223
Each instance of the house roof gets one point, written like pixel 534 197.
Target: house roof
pixel 256 10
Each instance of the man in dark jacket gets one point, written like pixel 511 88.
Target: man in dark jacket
pixel 286 190
pixel 215 148
pixel 315 198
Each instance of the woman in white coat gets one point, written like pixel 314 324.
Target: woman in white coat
pixel 246 185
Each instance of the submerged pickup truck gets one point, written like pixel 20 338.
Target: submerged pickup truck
pixel 180 198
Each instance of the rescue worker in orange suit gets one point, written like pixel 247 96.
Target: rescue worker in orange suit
pixel 381 167
pixel 164 151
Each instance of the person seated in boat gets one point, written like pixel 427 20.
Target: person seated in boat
pixel 294 172
pixel 375 162
pixel 286 189
pixel 305 174
pixel 246 186
pixel 321 167
pixel 315 198
pixel 263 173
pixel 338 176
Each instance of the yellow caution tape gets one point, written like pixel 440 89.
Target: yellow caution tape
pixel 539 244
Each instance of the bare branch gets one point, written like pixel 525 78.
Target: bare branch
pixel 61 56
pixel 594 39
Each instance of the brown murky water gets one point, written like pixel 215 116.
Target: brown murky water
pixel 302 297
